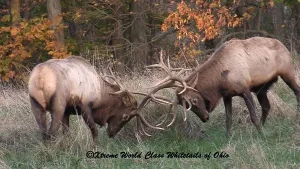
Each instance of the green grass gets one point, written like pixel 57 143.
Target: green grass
pixel 278 147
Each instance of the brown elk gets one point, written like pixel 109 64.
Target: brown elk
pixel 72 86
pixel 237 68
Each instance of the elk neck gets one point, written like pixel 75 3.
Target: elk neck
pixel 208 83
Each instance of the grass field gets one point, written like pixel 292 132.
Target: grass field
pixel 279 147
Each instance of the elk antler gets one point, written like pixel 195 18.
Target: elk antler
pixel 169 82
pixel 171 78
pixel 112 76
pixel 140 118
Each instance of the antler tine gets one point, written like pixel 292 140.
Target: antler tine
pixel 174 109
pixel 172 78
pixel 186 109
pixel 160 82
pixel 122 89
pixel 168 82
pixel 176 69
pixel 141 117
pixel 144 131
pixel 190 105
pixel 115 80
pixel 112 76
pixel 140 128
pixel 166 117
pixel 161 64
pixel 169 65
pixel 145 101
pixel 155 98
pixel 181 71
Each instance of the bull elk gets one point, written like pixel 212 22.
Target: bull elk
pixel 72 86
pixel 237 68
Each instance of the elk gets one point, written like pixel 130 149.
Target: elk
pixel 72 86
pixel 236 68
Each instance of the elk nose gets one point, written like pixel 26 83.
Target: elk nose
pixel 206 118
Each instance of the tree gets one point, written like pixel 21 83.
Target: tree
pixel 15 12
pixel 54 14
pixel 200 20
pixel 139 34
pixel 278 20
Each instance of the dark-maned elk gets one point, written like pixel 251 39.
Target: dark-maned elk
pixel 237 68
pixel 69 86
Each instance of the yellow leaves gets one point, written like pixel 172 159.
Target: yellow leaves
pixel 14 31
pixel 271 3
pixel 5 18
pixel 77 15
pixel 51 52
pixel 23 25
pixel 4 29
pixel 246 15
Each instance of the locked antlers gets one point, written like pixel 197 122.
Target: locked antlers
pixel 170 82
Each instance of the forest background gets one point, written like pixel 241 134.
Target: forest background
pixel 128 34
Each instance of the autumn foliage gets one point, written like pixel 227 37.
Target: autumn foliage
pixel 197 20
pixel 30 39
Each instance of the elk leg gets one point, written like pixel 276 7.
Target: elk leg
pixel 251 107
pixel 57 114
pixel 40 117
pixel 265 105
pixel 89 120
pixel 228 112
pixel 290 80
pixel 66 123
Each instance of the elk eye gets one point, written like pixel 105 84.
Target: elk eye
pixel 125 117
pixel 194 101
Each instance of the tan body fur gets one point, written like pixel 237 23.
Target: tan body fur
pixel 237 68
pixel 70 86
pixel 77 83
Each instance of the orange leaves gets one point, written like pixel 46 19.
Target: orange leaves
pixel 200 20
pixel 17 44
pixel 14 31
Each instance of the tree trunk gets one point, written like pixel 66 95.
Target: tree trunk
pixel 296 33
pixel 260 10
pixel 252 21
pixel 15 12
pixel 54 12
pixel 27 9
pixel 117 39
pixel 278 20
pixel 140 47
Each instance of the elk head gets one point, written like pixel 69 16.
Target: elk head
pixel 129 108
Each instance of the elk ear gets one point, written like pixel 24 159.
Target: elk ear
pixel 128 99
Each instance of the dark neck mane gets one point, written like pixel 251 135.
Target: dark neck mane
pixel 207 85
